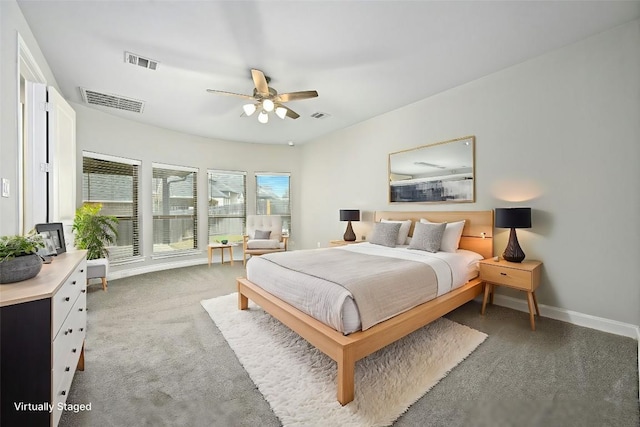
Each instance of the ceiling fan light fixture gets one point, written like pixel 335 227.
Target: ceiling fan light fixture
pixel 249 109
pixel 268 105
pixel 263 117
pixel 281 112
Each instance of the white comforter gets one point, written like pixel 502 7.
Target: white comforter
pixel 332 304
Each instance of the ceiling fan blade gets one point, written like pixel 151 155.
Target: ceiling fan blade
pixel 295 96
pixel 290 113
pixel 261 82
pixel 222 92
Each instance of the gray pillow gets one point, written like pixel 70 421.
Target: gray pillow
pixel 260 234
pixel 385 233
pixel 427 237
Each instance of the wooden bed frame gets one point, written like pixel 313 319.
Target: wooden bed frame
pixel 346 350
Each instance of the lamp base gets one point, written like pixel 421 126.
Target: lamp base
pixel 513 252
pixel 349 235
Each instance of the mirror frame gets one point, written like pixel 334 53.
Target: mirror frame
pixel 438 182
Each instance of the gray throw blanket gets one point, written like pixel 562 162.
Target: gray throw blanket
pixel 382 287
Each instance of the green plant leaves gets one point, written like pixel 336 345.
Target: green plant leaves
pixel 15 246
pixel 94 231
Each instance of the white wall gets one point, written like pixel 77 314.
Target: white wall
pixel 12 22
pixel 559 133
pixel 107 134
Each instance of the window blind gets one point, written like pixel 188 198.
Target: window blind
pixel 272 196
pixel 175 208
pixel 114 182
pixel 227 192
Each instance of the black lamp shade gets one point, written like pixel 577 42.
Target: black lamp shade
pixel 513 218
pixel 349 215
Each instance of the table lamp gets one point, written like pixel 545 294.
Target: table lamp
pixel 513 218
pixel 349 215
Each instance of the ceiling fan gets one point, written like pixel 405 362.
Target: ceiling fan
pixel 266 99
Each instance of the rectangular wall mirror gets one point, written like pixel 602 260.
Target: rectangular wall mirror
pixel 437 173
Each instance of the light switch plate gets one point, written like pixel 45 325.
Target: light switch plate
pixel 5 187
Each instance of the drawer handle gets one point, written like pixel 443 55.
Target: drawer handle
pixel 68 331
pixel 503 274
pixel 83 291
pixel 81 329
pixel 74 282
pixel 66 369
pixel 80 309
pixel 82 271
pixel 63 392
pixel 67 298
pixel 74 350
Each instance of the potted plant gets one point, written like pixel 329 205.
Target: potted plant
pixel 94 231
pixel 18 257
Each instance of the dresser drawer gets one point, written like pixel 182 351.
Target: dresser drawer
pixel 68 344
pixel 66 296
pixel 519 279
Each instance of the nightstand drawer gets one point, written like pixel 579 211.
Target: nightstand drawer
pixel 519 279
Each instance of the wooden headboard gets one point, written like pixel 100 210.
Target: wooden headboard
pixel 477 234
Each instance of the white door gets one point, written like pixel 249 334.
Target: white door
pixel 62 157
pixel 49 157
pixel 35 178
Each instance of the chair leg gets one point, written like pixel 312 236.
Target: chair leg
pixel 104 284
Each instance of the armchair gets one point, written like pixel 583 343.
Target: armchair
pixel 263 236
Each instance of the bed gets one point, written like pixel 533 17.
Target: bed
pixel 346 349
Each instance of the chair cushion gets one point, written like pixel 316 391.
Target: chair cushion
pixel 97 268
pixel 271 223
pixel 263 244
pixel 262 234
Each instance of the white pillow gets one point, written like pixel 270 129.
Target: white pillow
pixel 452 233
pixel 403 234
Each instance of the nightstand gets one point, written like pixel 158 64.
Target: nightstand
pixel 524 276
pixel 343 242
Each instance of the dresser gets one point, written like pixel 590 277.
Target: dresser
pixel 43 324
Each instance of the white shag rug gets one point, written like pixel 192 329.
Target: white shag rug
pixel 299 381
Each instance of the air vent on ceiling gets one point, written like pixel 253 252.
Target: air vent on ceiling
pixel 133 59
pixel 112 101
pixel 319 115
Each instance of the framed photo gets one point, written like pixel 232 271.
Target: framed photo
pixel 49 244
pixel 56 233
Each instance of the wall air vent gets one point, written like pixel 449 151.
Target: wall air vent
pixel 92 97
pixel 133 59
pixel 319 115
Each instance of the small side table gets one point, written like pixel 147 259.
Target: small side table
pixel 524 276
pixel 222 247
pixel 343 242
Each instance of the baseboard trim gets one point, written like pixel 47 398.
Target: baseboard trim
pixel 128 272
pixel 573 317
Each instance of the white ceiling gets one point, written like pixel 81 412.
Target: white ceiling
pixel 363 57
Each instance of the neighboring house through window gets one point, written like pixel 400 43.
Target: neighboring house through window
pixel 227 209
pixel 175 208
pixel 272 196
pixel 113 182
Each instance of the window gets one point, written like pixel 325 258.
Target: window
pixel 175 213
pixel 272 197
pixel 113 182
pixel 227 209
